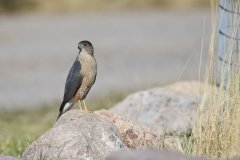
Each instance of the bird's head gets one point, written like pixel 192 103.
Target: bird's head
pixel 85 46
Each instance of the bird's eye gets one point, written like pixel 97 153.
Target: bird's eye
pixel 85 44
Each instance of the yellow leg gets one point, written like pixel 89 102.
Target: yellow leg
pixel 79 105
pixel 85 107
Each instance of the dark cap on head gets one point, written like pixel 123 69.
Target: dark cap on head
pixel 87 46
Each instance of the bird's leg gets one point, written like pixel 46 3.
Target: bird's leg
pixel 79 104
pixel 85 107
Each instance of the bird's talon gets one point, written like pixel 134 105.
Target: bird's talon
pixel 85 108
pixel 79 105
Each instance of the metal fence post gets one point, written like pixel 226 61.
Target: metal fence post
pixel 228 49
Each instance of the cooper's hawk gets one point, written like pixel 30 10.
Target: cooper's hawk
pixel 80 78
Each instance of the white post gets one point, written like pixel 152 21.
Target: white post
pixel 229 39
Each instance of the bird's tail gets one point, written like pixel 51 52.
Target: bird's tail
pixel 61 109
pixel 59 115
pixel 65 106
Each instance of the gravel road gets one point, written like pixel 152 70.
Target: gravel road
pixel 134 49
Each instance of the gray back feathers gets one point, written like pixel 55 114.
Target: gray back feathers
pixel 74 80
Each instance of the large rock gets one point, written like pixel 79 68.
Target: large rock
pixel 163 110
pixel 76 136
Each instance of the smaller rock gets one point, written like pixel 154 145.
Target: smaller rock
pixel 8 158
pixel 137 136
pixel 150 155
pixel 190 87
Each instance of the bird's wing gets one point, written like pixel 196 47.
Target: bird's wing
pixel 74 81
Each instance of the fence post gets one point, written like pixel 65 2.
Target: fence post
pixel 228 42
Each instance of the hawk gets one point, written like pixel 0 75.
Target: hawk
pixel 80 79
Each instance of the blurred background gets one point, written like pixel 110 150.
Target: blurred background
pixel 138 44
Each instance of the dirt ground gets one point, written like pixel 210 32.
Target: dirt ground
pixel 134 50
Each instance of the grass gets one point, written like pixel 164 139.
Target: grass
pixel 216 132
pixel 19 128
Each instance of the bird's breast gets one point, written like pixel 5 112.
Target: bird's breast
pixel 88 69
pixel 88 65
pixel 88 72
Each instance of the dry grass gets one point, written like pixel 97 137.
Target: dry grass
pixel 216 132
pixel 76 5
